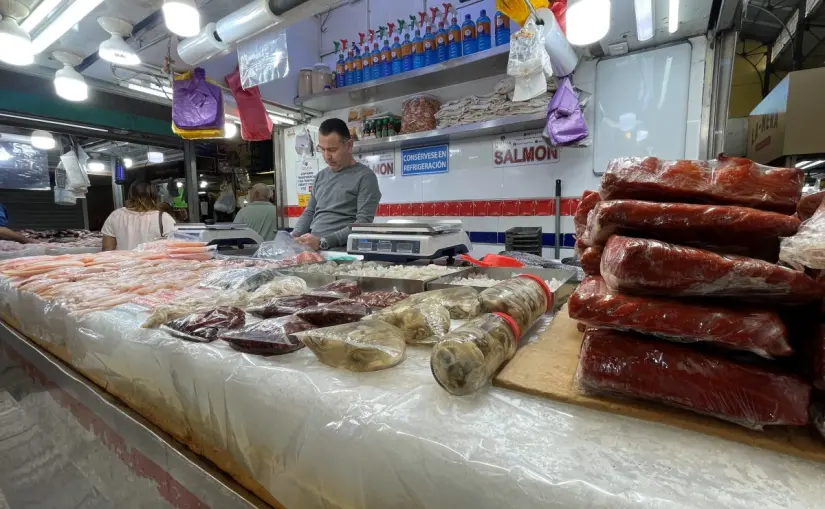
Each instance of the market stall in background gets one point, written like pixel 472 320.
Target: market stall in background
pixel 561 243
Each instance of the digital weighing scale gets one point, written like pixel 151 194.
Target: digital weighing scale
pixel 220 234
pixel 400 240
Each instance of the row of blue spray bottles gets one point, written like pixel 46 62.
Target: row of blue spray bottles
pixel 420 51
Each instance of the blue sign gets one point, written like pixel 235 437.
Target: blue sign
pixel 426 160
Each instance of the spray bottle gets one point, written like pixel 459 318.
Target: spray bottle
pixel 366 58
pixel 417 44
pixel 339 66
pixel 483 35
pixel 395 51
pixel 406 48
pixel 385 67
pixel 349 75
pixel 357 66
pixel 453 37
pixel 441 42
pixel 502 29
pixel 469 44
pixel 375 57
pixel 430 57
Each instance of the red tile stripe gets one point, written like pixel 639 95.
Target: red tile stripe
pixel 481 208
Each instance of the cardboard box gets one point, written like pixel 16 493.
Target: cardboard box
pixel 787 121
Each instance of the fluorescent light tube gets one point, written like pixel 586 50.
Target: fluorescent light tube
pixel 39 13
pixel 673 16
pixel 644 19
pixel 78 10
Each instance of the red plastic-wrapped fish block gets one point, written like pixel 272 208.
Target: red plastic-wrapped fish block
pixel 722 228
pixel 620 363
pixel 727 180
pixel 591 260
pixel 652 267
pixel 808 204
pixel 760 332
pixel 588 200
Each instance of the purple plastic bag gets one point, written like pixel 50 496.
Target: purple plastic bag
pixel 197 103
pixel 565 123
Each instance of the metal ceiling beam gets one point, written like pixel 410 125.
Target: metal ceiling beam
pixel 794 23
pixel 799 36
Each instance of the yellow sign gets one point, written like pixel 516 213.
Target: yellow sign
pixel 303 200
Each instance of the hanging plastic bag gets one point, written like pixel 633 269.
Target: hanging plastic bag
pixel 263 59
pixel 282 246
pixel 529 63
pixel 255 122
pixel 565 126
pixel 226 201
pixel 197 106
pixel 75 176
pixel 361 346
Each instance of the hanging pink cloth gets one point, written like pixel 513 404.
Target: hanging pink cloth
pixel 255 122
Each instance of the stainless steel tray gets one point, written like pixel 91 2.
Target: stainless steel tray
pixel 560 296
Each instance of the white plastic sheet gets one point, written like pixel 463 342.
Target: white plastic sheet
pixel 318 437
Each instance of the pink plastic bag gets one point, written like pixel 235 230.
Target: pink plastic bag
pixel 255 122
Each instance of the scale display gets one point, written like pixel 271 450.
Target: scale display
pixel 386 246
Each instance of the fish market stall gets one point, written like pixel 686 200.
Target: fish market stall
pixel 309 428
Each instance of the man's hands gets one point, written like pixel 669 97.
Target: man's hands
pixel 309 240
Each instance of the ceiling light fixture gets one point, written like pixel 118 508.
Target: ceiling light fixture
pixel 281 119
pixel 127 163
pixel 68 83
pixel 115 49
pixel 179 184
pixel 588 21
pixel 204 184
pixel 673 16
pixel 95 166
pixel 165 92
pixel 182 17
pixel 42 140
pixel 64 22
pixel 230 130
pixel 39 13
pixel 154 157
pixel 15 42
pixel 811 164
pixel 644 19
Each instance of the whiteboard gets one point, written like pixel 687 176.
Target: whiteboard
pixel 642 105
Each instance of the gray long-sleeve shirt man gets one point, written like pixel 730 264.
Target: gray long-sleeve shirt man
pixel 338 200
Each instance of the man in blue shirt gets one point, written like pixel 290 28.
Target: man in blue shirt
pixel 6 234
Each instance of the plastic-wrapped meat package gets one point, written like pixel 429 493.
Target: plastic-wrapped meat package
pixel 422 324
pixel 467 358
pixel 275 336
pixel 382 300
pixel 283 306
pixel 807 247
pixel 279 287
pixel 369 345
pixel 462 302
pixel 525 298
pixel 338 312
pixel 205 326
pixel 188 304
pixel 760 332
pixel 622 364
pixel 591 260
pixel 808 204
pixel 727 180
pixel 652 267
pixel 721 228
pixel 818 358
pixel 588 200
pixel 418 114
pixel 341 289
pixel 247 279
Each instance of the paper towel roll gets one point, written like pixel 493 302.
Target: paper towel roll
pixel 202 47
pixel 246 21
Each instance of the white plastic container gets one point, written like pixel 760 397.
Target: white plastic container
pixel 305 82
pixel 321 78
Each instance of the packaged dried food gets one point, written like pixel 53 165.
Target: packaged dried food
pixel 721 228
pixel 283 306
pixel 422 324
pixel 652 267
pixel 369 345
pixel 807 247
pixel 725 181
pixel 620 363
pixel 587 202
pixel 418 114
pixel 204 326
pixel 461 302
pixel 278 287
pixel 381 300
pixel 808 204
pixel 274 336
pixel 341 289
pixel 525 298
pixel 467 358
pixel 334 313
pixel 247 279
pixel 757 331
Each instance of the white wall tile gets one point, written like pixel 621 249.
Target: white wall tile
pixel 478 184
pixel 400 189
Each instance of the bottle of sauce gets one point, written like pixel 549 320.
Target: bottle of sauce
pixel 502 29
pixel 454 39
pixel 469 45
pixel 340 70
pixel 430 56
pixel 418 50
pixel 483 34
pixel 357 67
pixel 366 64
pixel 395 52
pixel 386 59
pixel 441 52
pixel 406 53
pixel 349 76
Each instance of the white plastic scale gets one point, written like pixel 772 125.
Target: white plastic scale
pixel 403 240
pixel 221 234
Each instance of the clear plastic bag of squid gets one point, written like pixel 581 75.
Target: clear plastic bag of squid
pixel 525 298
pixel 467 358
pixel 422 324
pixel 368 345
pixel 461 302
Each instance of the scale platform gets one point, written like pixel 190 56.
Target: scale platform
pixel 220 234
pixel 401 241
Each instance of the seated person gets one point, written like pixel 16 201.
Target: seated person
pixel 259 214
